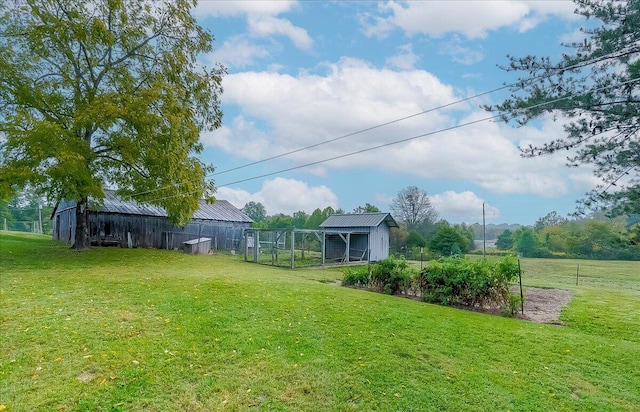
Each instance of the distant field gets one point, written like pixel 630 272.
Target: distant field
pixel 150 330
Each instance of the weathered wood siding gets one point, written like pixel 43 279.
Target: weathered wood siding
pixel 148 231
pixel 64 222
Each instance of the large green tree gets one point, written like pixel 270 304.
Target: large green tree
pixel 526 242
pixel 595 89
pixel 103 93
pixel 256 211
pixel 318 216
pixel 505 240
pixel 449 240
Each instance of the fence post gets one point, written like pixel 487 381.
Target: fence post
pixel 521 294
pixel 577 273
pixel 293 248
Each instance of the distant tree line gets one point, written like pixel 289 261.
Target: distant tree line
pixel 596 237
pixel 421 234
pixel 299 220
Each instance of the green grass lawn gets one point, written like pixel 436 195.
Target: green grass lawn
pixel 130 329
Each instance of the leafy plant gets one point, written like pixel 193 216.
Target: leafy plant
pixel 392 276
pixel 458 281
pixel 356 276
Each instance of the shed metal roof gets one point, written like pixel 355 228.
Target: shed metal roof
pixel 220 210
pixel 358 220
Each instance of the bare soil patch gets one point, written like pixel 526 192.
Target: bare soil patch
pixel 544 305
pixel 540 305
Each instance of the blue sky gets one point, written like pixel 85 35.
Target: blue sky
pixel 305 72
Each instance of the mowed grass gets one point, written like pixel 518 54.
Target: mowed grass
pixel 117 329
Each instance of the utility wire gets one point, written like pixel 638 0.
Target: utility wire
pixel 368 129
pixel 626 51
pixel 496 116
pixel 444 106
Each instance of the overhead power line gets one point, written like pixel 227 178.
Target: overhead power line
pixel 623 52
pixel 395 142
pixel 444 106
pixel 368 129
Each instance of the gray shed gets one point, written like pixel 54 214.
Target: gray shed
pixel 128 223
pixel 354 237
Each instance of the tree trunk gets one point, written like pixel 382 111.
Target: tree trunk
pixel 82 225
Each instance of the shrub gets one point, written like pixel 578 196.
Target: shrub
pixel 512 305
pixel 457 281
pixel 392 276
pixel 356 276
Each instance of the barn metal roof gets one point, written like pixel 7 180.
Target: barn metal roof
pixel 220 210
pixel 359 220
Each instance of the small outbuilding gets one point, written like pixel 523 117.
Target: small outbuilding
pixel 198 246
pixel 127 223
pixel 357 237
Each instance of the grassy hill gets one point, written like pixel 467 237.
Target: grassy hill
pixel 129 329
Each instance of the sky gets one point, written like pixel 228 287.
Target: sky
pixel 352 102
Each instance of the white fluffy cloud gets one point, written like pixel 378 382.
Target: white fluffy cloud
pixel 461 54
pixel 463 207
pixel 266 26
pixel 237 52
pixel 310 108
pixel 298 111
pixel 235 8
pixel 405 59
pixel 473 18
pixel 282 195
pixel 262 23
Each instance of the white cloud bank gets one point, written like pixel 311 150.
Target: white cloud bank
pixel 282 195
pixel 471 18
pixel 463 207
pixel 263 27
pixel 280 113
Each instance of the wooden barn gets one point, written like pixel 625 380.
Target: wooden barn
pixel 357 237
pixel 131 224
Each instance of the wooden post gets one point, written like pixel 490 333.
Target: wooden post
pixel 40 217
pixel 246 245
pixel 577 273
pixel 324 255
pixel 348 242
pixel 293 249
pixel 256 245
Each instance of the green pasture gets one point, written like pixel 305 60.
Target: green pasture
pixel 150 330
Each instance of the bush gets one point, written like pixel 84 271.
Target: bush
pixel 457 281
pixel 512 306
pixel 356 276
pixel 392 276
